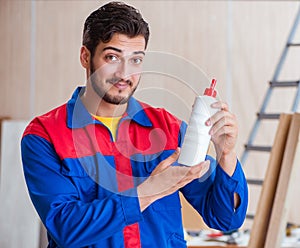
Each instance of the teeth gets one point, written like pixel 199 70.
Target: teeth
pixel 121 83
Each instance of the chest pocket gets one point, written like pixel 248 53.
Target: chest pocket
pixel 83 180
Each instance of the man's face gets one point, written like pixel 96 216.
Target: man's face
pixel 116 66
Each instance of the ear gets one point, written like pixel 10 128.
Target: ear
pixel 85 57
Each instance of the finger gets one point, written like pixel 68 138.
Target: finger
pixel 205 168
pixel 216 117
pixel 201 164
pixel 171 159
pixel 172 178
pixel 201 168
pixel 195 172
pixel 220 105
pixel 229 121
pixel 225 130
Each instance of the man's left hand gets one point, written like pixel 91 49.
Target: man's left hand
pixel 224 133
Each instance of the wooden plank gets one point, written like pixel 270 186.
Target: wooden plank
pixel 287 180
pixel 262 216
pixel 293 213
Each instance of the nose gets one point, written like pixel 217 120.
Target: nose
pixel 122 71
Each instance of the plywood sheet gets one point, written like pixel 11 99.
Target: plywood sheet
pixel 19 224
pixel 293 213
pixel 287 180
pixel 262 217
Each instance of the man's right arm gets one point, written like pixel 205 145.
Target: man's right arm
pixel 69 220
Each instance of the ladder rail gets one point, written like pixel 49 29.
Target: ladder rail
pixel 285 50
pixel 296 100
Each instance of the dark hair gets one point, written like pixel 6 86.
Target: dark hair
pixel 111 18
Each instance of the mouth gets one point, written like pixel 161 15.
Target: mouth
pixel 119 83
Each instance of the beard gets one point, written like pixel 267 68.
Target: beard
pixel 104 94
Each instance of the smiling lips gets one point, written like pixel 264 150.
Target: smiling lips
pixel 121 85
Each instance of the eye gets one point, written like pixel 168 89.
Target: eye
pixel 111 58
pixel 137 60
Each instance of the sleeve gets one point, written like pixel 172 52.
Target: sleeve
pixel 70 221
pixel 212 196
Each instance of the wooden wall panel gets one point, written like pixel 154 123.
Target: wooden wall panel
pixel 59 31
pixel 241 40
pixel 15 58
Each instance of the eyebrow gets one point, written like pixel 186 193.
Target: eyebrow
pixel 120 51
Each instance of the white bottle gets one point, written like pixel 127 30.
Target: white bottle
pixel 197 139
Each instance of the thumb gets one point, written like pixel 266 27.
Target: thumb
pixel 163 165
pixel 172 158
pixel 176 153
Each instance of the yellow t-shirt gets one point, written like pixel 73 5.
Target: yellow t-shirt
pixel 110 122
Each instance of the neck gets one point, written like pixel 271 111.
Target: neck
pixel 97 106
pixel 106 109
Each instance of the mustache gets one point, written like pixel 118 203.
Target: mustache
pixel 117 80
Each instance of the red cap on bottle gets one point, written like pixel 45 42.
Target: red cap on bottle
pixel 211 90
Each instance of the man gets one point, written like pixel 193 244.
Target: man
pixel 101 169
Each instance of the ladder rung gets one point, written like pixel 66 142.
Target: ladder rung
pixel 266 116
pixel 255 181
pixel 284 83
pixel 293 44
pixel 258 148
pixel 250 216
